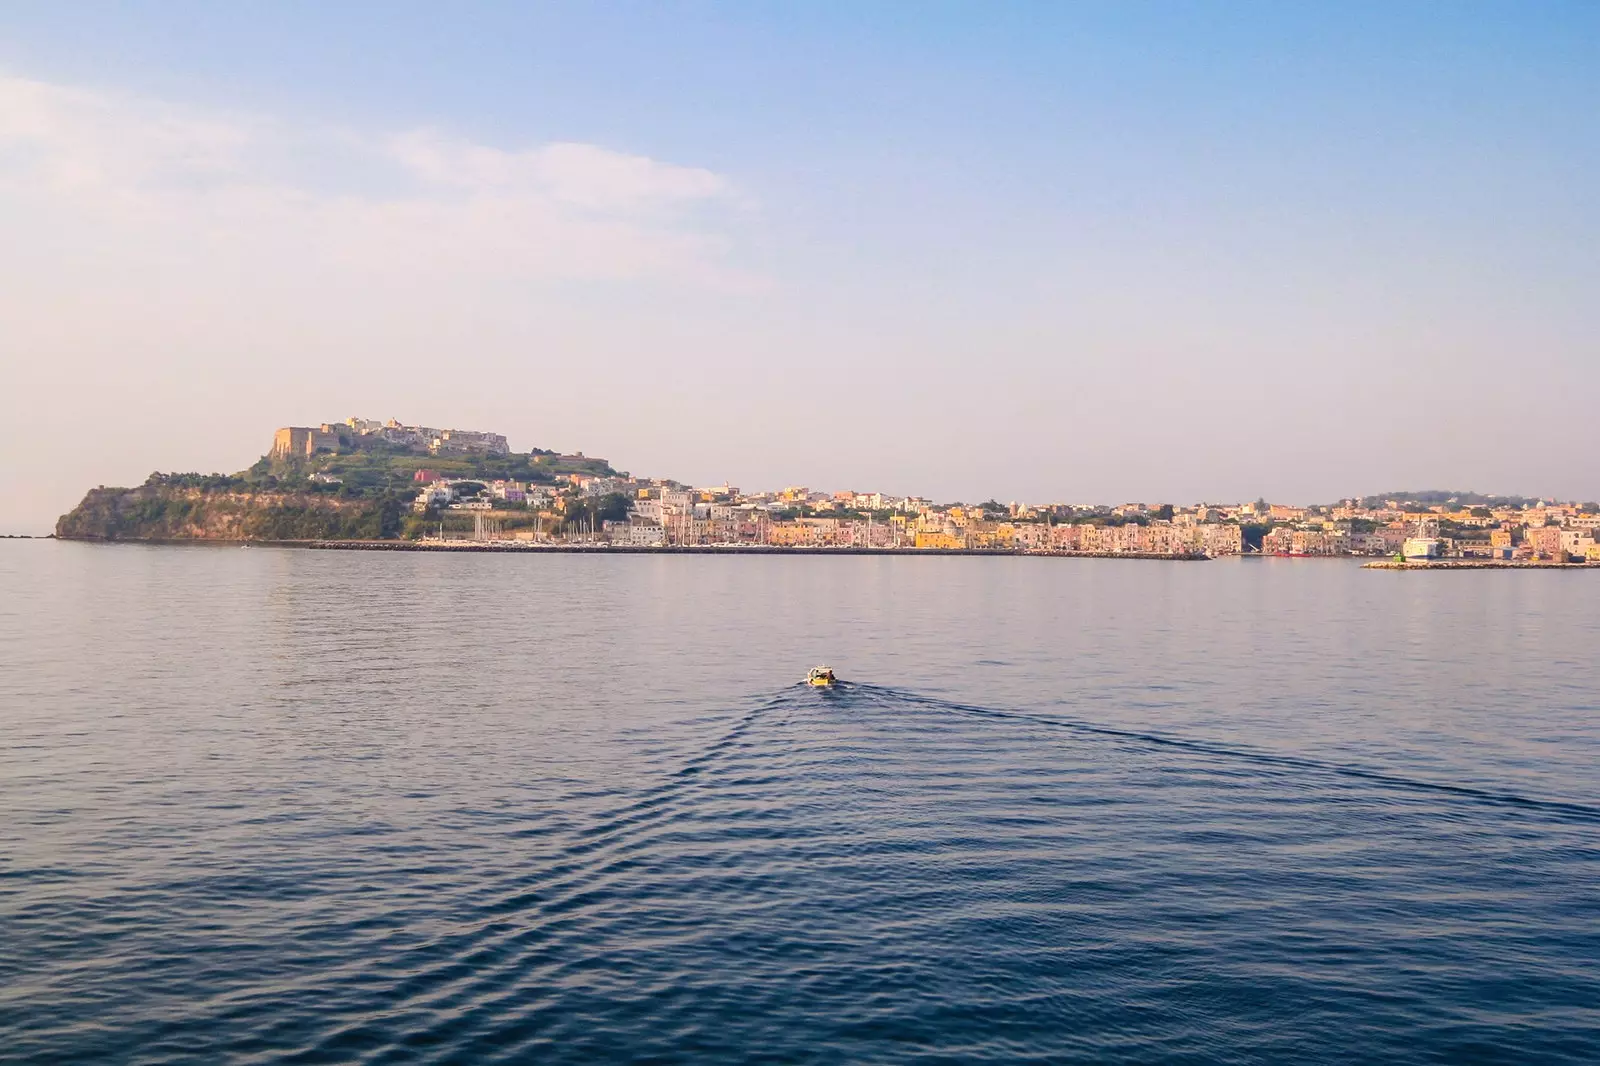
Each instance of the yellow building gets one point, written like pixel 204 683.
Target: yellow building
pixel 990 534
pixel 931 538
pixel 791 535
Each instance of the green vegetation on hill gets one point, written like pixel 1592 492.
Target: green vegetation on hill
pixel 181 509
pixel 1427 498
pixel 594 512
pixel 379 468
pixel 358 494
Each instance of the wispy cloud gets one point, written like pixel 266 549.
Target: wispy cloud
pixel 150 171
pixel 581 174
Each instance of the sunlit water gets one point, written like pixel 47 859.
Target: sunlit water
pixel 262 805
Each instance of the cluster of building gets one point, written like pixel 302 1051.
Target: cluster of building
pixel 1540 532
pixel 355 433
pixel 662 513
pixel 463 494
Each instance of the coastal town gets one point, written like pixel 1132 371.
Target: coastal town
pixel 665 513
pixel 598 506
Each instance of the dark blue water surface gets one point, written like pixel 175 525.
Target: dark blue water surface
pixel 272 805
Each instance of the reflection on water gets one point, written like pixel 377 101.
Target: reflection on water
pixel 332 807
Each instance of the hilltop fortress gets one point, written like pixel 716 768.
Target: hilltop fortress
pixel 302 442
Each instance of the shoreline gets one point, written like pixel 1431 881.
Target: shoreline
pixel 1472 564
pixel 525 548
pixel 522 548
pixel 513 548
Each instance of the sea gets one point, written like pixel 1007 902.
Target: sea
pixel 263 805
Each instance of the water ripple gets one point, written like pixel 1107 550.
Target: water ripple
pixel 313 823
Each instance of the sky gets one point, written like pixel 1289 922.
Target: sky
pixel 1038 252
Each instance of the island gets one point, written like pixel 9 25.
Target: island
pixel 371 485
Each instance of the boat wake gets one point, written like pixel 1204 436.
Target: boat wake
pixel 881 694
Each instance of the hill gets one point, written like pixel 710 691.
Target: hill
pixel 360 491
pixel 1435 497
pixel 378 467
pixel 218 507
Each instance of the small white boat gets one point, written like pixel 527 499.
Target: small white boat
pixel 821 676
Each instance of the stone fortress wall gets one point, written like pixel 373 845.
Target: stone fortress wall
pixel 305 441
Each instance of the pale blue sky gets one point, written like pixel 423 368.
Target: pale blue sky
pixel 1042 252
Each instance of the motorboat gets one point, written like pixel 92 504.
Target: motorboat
pixel 821 676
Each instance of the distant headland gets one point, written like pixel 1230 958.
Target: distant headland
pixel 366 483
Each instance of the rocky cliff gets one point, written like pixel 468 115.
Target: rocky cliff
pixel 167 512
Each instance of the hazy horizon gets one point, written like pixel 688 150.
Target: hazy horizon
pixel 1098 253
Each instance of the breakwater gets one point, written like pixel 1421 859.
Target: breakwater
pixel 1472 564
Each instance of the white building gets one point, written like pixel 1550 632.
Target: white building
pixel 676 502
pixel 637 534
pixel 1421 548
pixel 438 494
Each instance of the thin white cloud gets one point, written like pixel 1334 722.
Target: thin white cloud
pixel 76 140
pixel 149 173
pixel 580 174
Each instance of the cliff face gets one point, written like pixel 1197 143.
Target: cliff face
pixel 164 512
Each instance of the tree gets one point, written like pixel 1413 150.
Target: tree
pixel 1254 533
pixel 389 518
pixel 593 511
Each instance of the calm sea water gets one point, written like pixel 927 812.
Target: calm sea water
pixel 272 805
